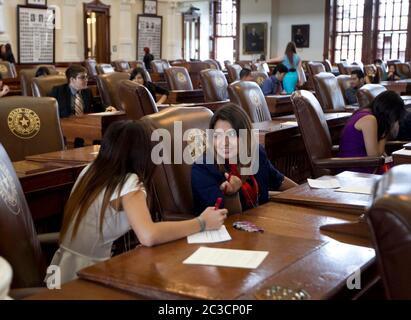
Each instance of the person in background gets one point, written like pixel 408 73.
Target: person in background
pixel 139 76
pixel 356 82
pixel 109 199
pixel 379 63
pixel 148 57
pixel 371 77
pixel 6 53
pixel 392 74
pixel 273 85
pixel 245 75
pixel 4 90
pixel 293 62
pixel 368 129
pixel 42 71
pixel 224 177
pixel 74 98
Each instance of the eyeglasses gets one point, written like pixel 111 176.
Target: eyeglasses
pixel 83 77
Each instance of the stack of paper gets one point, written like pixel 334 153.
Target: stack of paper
pixel 360 189
pixel 403 152
pixel 212 236
pixel 227 258
pixel 330 183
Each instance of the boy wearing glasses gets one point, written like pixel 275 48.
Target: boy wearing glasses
pixel 74 98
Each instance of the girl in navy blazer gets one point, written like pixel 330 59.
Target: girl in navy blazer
pixel 223 177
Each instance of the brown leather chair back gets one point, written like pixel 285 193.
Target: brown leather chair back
pixel 178 79
pixel 104 68
pixel 390 222
pixel 136 100
pixel 367 93
pixel 342 67
pixel 19 244
pixel 382 73
pixel 213 64
pixel 43 86
pixel 259 77
pixel 91 65
pixel 328 66
pixel 329 92
pixel 214 85
pixel 121 66
pixel 27 76
pixel 315 68
pixel 172 182
pixel 31 126
pixel 312 123
pixel 351 68
pixel 108 87
pixel 248 95
pixel 245 64
pixel 233 72
pixel 159 66
pixel 7 70
pixel 137 64
pixel 344 81
pixel 403 70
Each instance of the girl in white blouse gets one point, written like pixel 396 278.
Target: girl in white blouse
pixel 109 199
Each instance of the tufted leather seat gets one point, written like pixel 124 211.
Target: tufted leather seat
pixel 390 223
pixel 344 81
pixel 42 87
pixel 329 92
pixel 315 68
pixel 108 87
pixel 367 93
pixel 159 66
pixel 213 64
pixel 214 85
pixel 27 76
pixel 91 65
pixel 121 66
pixel 135 100
pixel 104 68
pixel 233 72
pixel 7 70
pixel 248 95
pixel 403 70
pixel 178 79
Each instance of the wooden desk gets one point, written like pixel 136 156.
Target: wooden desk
pixel 79 155
pixel 402 157
pixel 90 126
pixel 279 105
pixel 213 106
pixel 184 96
pixel 300 257
pixel 407 146
pixel 285 147
pixel 402 87
pixel 329 198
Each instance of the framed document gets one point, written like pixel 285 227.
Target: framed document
pixel 36 35
pixel 149 31
pixel 40 3
pixel 150 7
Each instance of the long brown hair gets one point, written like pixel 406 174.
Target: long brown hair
pixel 290 50
pixel 125 148
pixel 238 120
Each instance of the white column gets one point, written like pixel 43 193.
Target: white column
pixel 125 41
pixel 4 37
pixel 73 48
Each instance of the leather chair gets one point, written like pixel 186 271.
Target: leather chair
pixel 403 70
pixel 104 68
pixel 248 95
pixel 389 219
pixel 42 87
pixel 27 76
pixel 31 126
pixel 108 85
pixel 135 100
pixel 19 244
pixel 214 85
pixel 159 66
pixel 344 81
pixel 245 64
pixel 329 92
pixel 7 70
pixel 172 182
pixel 259 77
pixel 227 63
pixel 178 79
pixel 367 93
pixel 329 67
pixel 315 68
pixel 312 123
pixel 137 64
pixel 233 72
pixel 213 64
pixel 121 66
pixel 382 73
pixel 342 67
pixel 351 68
pixel 91 66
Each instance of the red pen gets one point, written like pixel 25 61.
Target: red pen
pixel 218 203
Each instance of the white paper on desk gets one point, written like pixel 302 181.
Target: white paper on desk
pixel 331 183
pixel 360 189
pixel 289 123
pixel 227 258
pixel 212 236
pixel 403 152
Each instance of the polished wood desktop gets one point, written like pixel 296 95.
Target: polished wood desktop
pixel 402 156
pixel 83 155
pixel 279 105
pixel 300 257
pixel 402 87
pixel 352 203
pixel 185 96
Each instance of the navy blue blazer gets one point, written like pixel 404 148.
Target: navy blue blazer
pixel 207 178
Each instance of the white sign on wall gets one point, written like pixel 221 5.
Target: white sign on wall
pixel 149 30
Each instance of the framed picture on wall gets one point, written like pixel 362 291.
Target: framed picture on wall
pixel 150 7
pixel 149 31
pixel 39 3
pixel 300 34
pixel 254 38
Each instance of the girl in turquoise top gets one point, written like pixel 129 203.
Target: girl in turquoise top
pixel 293 62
